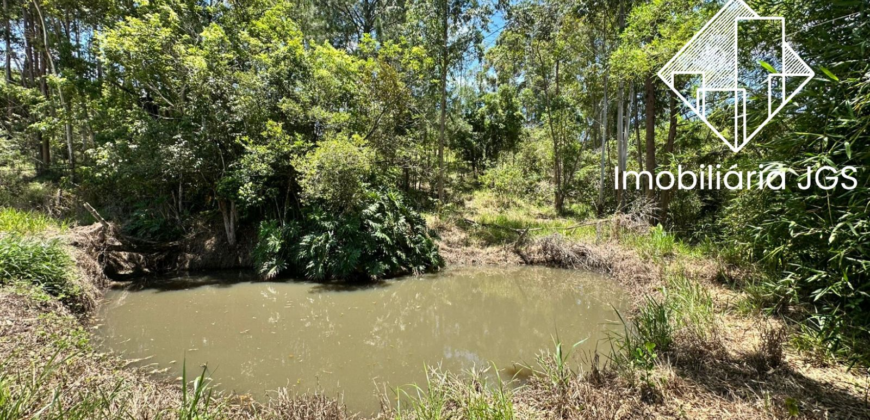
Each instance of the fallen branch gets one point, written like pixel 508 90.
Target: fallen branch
pixel 96 215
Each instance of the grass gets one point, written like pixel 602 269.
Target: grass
pixel 650 329
pixel 686 309
pixel 37 394
pixel 691 306
pixel 475 395
pixel 42 262
pixel 29 254
pixel 13 221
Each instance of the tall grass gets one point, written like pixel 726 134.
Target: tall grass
pixel 657 245
pixel 195 403
pixel 13 221
pixel 42 394
pixel 685 308
pixel 479 395
pixel 649 330
pixel 37 395
pixel 692 306
pixel 41 262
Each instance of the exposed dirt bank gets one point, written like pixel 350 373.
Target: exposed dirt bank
pixel 105 251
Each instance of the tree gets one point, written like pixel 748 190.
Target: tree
pixel 448 29
pixel 654 32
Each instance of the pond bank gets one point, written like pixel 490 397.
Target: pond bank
pixel 720 361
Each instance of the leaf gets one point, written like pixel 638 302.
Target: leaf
pixel 829 74
pixel 767 66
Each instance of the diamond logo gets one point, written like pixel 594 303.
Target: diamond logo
pixel 737 73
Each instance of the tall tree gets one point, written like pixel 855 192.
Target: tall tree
pixel 449 29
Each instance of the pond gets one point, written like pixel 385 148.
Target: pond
pixel 256 337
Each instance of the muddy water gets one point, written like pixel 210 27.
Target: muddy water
pixel 256 337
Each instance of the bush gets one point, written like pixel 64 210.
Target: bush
pixel 335 173
pixel 507 181
pixel 381 238
pixel 651 329
pixel 148 224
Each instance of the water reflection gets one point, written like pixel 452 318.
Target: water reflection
pixel 259 336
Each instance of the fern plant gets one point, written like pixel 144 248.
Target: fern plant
pixel 381 238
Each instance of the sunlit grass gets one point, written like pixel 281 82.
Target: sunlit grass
pixel 41 262
pixel 42 393
pixel 27 222
pixel 476 395
pixel 692 306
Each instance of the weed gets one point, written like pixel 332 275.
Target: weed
pixel 195 404
pixel 657 245
pixel 692 306
pixel 651 330
pixel 768 352
pixel 554 366
pixel 474 396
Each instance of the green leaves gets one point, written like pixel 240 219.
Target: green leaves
pixel 43 263
pixel 767 66
pixel 829 74
pixel 380 238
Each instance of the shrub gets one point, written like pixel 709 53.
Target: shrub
pixel 147 224
pixel 507 181
pixel 335 173
pixel 652 329
pixel 274 248
pixel 381 238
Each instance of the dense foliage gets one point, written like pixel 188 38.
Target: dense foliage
pixel 381 237
pixel 288 114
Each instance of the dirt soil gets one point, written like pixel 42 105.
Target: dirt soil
pixel 106 251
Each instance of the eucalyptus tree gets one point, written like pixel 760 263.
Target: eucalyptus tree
pixel 654 32
pixel 450 30
pixel 556 52
pixel 349 21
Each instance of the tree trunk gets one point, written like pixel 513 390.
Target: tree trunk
pixel 635 99
pixel 669 149
pixel 39 72
pixel 558 199
pixel 228 211
pixel 8 39
pixel 650 108
pixel 604 112
pixel 443 122
pixel 66 108
pixel 621 146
